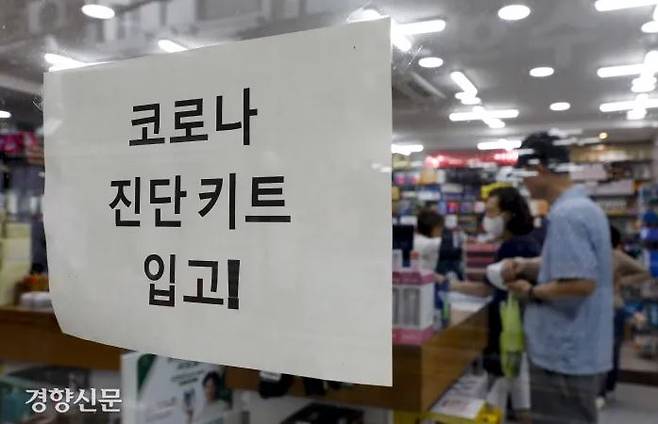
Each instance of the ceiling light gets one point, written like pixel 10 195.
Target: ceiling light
pixel 423 27
pixel 641 101
pixel 406 149
pixel 398 39
pixel 502 144
pixel 514 12
pixel 170 46
pixel 643 84
pixel 472 116
pixel 620 71
pixel 364 15
pixel 4 114
pixel 560 106
pixel 636 114
pixel 608 5
pixel 617 106
pixel 494 123
pixel 464 83
pixel 470 101
pixel 98 11
pixel 542 72
pixel 650 27
pixel 603 135
pixel 430 62
pixel 60 62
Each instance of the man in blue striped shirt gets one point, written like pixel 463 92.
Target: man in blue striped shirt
pixel 568 318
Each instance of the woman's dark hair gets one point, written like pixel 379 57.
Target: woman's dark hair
pixel 427 221
pixel 615 236
pixel 511 201
pixel 216 379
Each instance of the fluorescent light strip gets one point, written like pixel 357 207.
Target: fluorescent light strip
pixel 610 5
pixel 627 105
pixel 620 71
pixel 423 27
pixel 502 144
pixel 493 114
pixel 4 114
pixel 406 149
pixel 464 83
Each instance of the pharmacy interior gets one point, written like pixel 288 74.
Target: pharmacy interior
pixel 521 197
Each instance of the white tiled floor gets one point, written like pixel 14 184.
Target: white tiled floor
pixel 632 404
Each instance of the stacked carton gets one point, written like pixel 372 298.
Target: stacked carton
pixel 413 306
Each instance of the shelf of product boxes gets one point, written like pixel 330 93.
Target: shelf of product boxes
pixel 34 336
pixel 421 374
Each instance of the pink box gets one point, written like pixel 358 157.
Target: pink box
pixel 412 336
pixel 413 276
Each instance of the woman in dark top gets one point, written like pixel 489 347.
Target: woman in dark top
pixel 507 220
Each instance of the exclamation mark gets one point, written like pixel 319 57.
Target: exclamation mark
pixel 233 281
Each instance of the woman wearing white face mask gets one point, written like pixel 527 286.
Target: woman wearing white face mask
pixel 507 220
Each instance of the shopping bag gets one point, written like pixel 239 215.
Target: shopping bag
pixel 511 337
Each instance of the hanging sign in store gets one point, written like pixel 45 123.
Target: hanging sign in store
pixel 229 204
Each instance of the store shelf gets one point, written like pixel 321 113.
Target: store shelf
pixel 421 374
pixel 33 336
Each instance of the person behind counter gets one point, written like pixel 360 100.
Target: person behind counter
pixel 507 220
pixel 627 272
pixel 427 239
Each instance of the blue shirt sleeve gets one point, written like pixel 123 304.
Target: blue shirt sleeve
pixel 570 253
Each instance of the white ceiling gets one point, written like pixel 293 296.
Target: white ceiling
pixel 569 35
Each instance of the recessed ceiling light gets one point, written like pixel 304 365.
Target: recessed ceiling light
pixel 98 11
pixel 514 12
pixel 650 27
pixel 430 62
pixel 542 72
pixel 4 114
pixel 560 106
pixel 603 135
pixel 170 46
pixel 423 27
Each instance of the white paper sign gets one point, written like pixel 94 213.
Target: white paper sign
pixel 293 132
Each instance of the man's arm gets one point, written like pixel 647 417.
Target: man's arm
pixel 553 290
pixel 526 268
pixel 630 271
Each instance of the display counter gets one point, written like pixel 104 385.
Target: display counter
pixel 33 336
pixel 421 374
